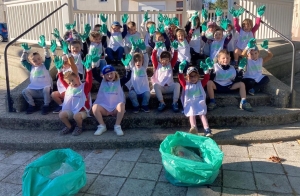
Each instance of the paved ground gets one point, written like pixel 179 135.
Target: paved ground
pixel 246 170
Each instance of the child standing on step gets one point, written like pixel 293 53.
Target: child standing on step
pixel 138 85
pixel 77 100
pixel 162 78
pixel 40 80
pixel 253 77
pixel 193 97
pixel 225 79
pixel 110 99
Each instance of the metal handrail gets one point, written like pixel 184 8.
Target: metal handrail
pixel 9 100
pixel 292 104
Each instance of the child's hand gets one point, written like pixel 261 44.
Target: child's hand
pixel 88 62
pixel 158 45
pixel 251 43
pixel 224 24
pixel 141 44
pixel 152 29
pixel 58 62
pixel 72 26
pixel 83 36
pixel 243 63
pixel 95 55
pixel 125 18
pixel 161 28
pixel 53 46
pixel 219 12
pixel 25 46
pixel 160 17
pixel 68 26
pixel 64 47
pixel 87 29
pixel 103 18
pixel 133 43
pixel 175 21
pixel 204 14
pixel 265 45
pixel 42 41
pixel 236 13
pixel 182 66
pixel 194 22
pixel 204 26
pixel 127 60
pixel 204 67
pixel 103 29
pixel 240 11
pixel 146 18
pixel 167 21
pixel 174 45
pixel 261 10
pixel 56 33
pixel 209 63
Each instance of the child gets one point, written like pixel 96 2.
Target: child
pixel 78 56
pixel 139 85
pixel 77 99
pixel 96 46
pixel 183 50
pixel 163 76
pixel 193 97
pixel 110 98
pixel 234 37
pixel 116 45
pixel 40 80
pixel 247 31
pixel 159 37
pixel 132 34
pixel 224 79
pixel 148 37
pixel 253 77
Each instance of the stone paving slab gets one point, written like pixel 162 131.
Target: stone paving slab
pixel 139 171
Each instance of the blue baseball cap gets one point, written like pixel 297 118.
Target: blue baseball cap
pixel 116 23
pixel 107 68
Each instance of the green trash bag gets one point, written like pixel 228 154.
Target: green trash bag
pixel 185 167
pixel 59 172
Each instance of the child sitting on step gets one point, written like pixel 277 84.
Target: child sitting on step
pixel 40 80
pixel 184 53
pixel 193 97
pixel 162 78
pixel 110 99
pixel 96 46
pixel 138 85
pixel 253 77
pixel 225 79
pixel 132 34
pixel 77 100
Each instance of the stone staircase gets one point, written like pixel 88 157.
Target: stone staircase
pixel 270 109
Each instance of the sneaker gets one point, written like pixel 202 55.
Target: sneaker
pixel 101 129
pixel 208 133
pixel 30 109
pixel 161 106
pixel 211 106
pixel 77 131
pixel 66 130
pixel 145 108
pixel 57 110
pixel 45 109
pixel 193 130
pixel 175 107
pixel 136 110
pixel 246 106
pixel 118 130
pixel 251 91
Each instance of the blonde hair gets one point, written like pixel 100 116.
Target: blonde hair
pixel 131 24
pixel 149 23
pixel 224 51
pixel 94 35
pixel 117 76
pixel 180 31
pixel 249 21
pixel 70 74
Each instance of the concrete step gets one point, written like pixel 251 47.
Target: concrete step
pixel 36 139
pixel 223 116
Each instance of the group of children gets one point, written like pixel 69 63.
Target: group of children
pixel 172 49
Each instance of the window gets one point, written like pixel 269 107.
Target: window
pixel 103 0
pixel 179 4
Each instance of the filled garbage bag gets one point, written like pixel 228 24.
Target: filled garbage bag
pixel 190 160
pixel 59 172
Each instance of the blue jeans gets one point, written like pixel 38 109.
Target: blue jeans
pixel 110 53
pixel 134 98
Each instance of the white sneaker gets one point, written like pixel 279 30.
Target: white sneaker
pixel 101 129
pixel 118 130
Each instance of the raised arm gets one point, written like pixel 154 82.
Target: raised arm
pixel 236 24
pixel 154 58
pixel 24 56
pixel 47 58
pixel 205 79
pixel 256 26
pixel 126 77
pixel 268 57
pixel 181 80
pixel 174 58
pixel 72 64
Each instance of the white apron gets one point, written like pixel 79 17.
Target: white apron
pixel 254 70
pixel 195 42
pixel 60 87
pixel 75 99
pixel 163 75
pixel 78 62
pixel 115 41
pixel 244 39
pixel 224 77
pixel 184 52
pixel 39 77
pixel 139 80
pixel 215 48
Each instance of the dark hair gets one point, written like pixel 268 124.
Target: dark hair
pixel 137 57
pixel 73 42
pixel 165 54
pixel 97 25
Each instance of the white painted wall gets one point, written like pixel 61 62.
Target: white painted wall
pixel 2 19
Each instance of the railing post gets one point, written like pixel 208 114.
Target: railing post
pixel 117 10
pixel 184 13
